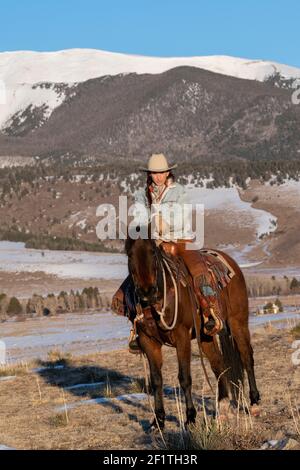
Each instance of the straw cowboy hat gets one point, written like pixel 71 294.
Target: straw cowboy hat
pixel 158 163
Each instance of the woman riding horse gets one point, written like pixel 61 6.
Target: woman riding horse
pixel 162 191
pixel 172 297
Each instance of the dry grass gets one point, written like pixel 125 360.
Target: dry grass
pixel 138 385
pixel 29 418
pixel 58 420
pixel 58 357
pixel 16 369
pixel 207 434
pixel 227 428
pixel 296 331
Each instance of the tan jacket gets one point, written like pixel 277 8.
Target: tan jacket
pixel 170 213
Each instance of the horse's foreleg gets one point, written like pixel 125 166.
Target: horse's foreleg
pixel 153 352
pixel 183 348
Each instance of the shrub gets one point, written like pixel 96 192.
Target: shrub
pixel 14 307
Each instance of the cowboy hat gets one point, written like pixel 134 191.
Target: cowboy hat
pixel 158 163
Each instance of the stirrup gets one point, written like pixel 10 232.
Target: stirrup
pixel 133 344
pixel 213 324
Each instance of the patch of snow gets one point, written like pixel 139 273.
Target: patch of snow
pixel 81 224
pixel 20 96
pixel 14 257
pixel 74 216
pixel 282 444
pixel 77 65
pixel 9 162
pixel 128 398
pixel 90 385
pixel 77 178
pixel 250 265
pixel 3 447
pixel 69 332
pixel 125 186
pixel 279 320
pixel 194 181
pixel 228 199
pixel 8 377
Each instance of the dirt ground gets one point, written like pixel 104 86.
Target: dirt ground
pixel 34 411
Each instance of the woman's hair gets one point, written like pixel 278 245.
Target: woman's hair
pixel 149 182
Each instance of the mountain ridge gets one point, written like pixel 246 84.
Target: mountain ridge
pixel 183 111
pixel 24 73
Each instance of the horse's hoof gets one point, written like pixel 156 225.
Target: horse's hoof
pixel 189 424
pixel 226 410
pixel 155 427
pixel 255 410
pixel 224 406
pixel 223 418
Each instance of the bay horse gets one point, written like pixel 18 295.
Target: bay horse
pixel 145 265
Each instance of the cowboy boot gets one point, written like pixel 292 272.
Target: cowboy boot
pixel 118 306
pixel 133 342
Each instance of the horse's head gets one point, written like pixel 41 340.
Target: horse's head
pixel 143 265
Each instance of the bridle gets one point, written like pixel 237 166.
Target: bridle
pixel 158 277
pixel 160 262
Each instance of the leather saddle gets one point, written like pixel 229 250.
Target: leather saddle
pixel 205 262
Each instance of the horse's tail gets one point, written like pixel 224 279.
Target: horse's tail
pixel 232 363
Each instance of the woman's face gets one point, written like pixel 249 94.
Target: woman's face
pixel 160 178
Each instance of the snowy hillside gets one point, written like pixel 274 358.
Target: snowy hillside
pixel 75 65
pixel 20 70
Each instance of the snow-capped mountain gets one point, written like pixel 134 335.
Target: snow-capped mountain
pixel 35 83
pixel 77 65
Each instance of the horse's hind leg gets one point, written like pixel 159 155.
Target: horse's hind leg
pixel 214 356
pixel 235 307
pixel 153 352
pixel 183 348
pixel 241 335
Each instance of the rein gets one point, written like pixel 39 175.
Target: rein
pixel 162 312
